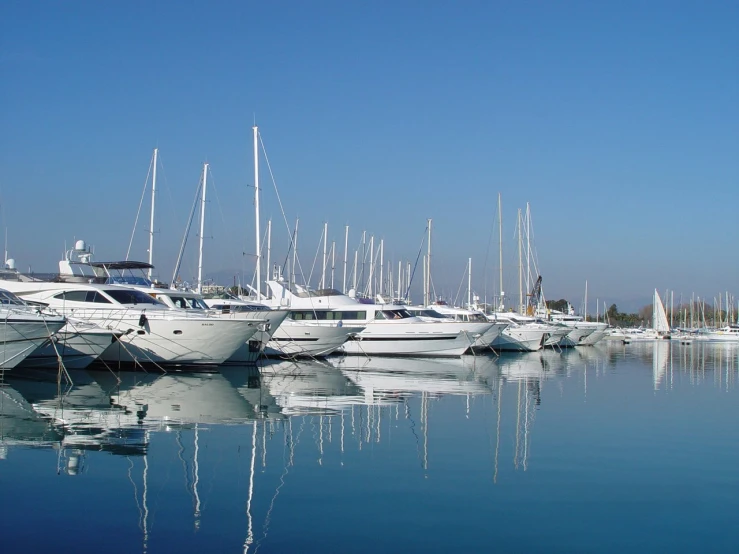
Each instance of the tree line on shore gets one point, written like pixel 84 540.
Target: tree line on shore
pixel 685 315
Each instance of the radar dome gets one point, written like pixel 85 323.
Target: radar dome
pixel 80 245
pixel 10 264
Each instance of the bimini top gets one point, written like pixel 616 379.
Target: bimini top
pixel 122 266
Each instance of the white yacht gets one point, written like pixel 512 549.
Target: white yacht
pixel 582 333
pixel 729 333
pixel 389 328
pixel 521 335
pixel 291 339
pixel 442 311
pixel 264 320
pixel 150 332
pixel 24 328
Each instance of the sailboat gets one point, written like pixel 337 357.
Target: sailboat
pixel 660 326
pixel 659 317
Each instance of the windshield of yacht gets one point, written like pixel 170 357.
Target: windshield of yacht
pixel 393 314
pixel 237 308
pixel 434 313
pixel 129 296
pixel 187 302
pixel 223 295
pixel 7 297
pixel 319 292
pixel 139 281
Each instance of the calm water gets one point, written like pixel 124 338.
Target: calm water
pixel 607 449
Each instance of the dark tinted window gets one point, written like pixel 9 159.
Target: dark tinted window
pixel 73 296
pixel 124 296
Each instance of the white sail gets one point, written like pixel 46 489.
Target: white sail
pixel 659 317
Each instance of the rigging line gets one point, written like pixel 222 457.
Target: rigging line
pixel 187 233
pixel 289 250
pixel 461 283
pixel 138 212
pixel 310 277
pixel 415 265
pixel 282 209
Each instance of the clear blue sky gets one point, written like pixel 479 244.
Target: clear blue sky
pixel 617 121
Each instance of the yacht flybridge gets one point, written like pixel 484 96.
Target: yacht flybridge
pixel 390 329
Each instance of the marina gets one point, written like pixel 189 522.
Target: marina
pixel 357 454
pixel 362 278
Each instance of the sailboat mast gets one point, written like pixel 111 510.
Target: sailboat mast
pixel 426 300
pixel 151 223
pixel 269 247
pixel 368 288
pixel 354 277
pixel 202 229
pixel 585 308
pixel 256 211
pixel 520 266
pixel 469 283
pixel 382 265
pixel 295 250
pixel 333 261
pixel 323 270
pixel 500 250
pixel 346 246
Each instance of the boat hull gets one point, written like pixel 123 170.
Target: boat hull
pixel 77 347
pixel 296 340
pixel 20 335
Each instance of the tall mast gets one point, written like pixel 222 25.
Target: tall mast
pixel 323 270
pixel 256 211
pixel 368 288
pixel 346 246
pixel 400 279
pixel 382 265
pixel 469 284
pixel 520 267
pixel 202 229
pixel 425 282
pixel 500 251
pixel 295 251
pixel 426 300
pixel 333 261
pixel 354 275
pixel 585 315
pixel 529 280
pixel 269 248
pixel 407 290
pixel 151 224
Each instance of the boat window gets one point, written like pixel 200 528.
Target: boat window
pixel 124 296
pixel 179 302
pixel 397 314
pixel 82 296
pixel 380 315
pixel 318 292
pixel 72 296
pixel 198 304
pixel 7 297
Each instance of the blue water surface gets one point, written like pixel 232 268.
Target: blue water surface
pixel 610 448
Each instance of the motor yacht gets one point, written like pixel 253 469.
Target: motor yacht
pixel 389 329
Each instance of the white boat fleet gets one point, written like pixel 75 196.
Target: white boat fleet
pixel 110 312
